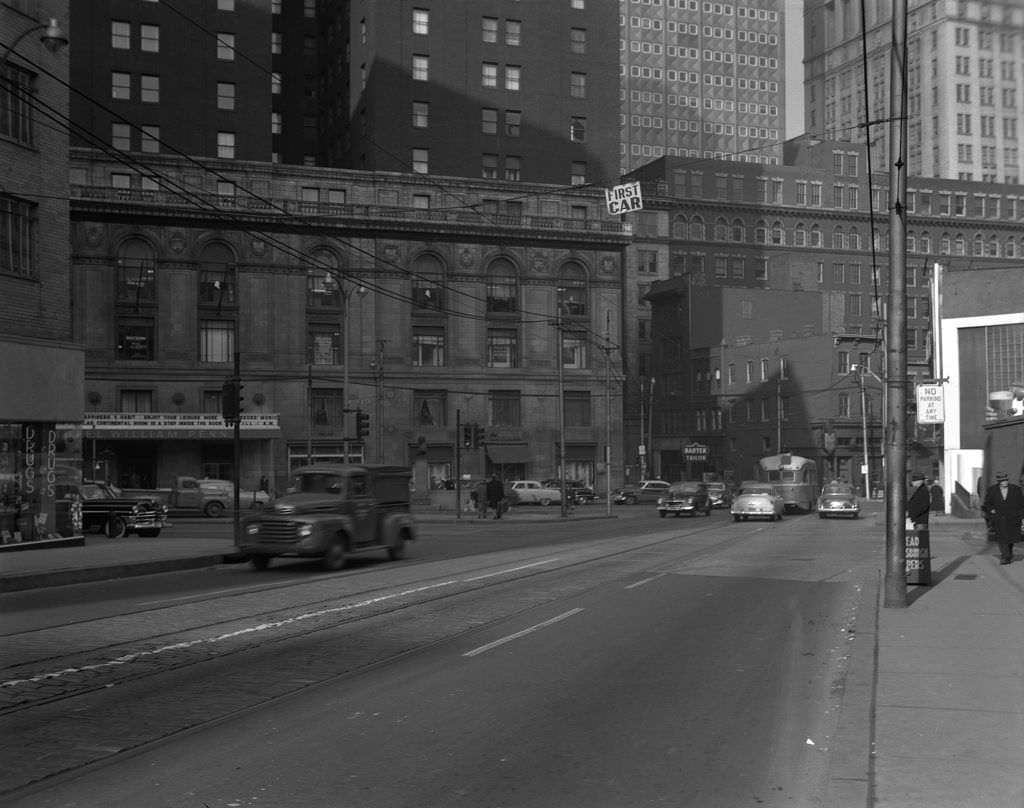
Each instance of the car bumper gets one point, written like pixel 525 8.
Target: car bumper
pixel 837 511
pixel 766 514
pixel 670 508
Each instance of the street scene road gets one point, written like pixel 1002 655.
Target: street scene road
pixel 606 662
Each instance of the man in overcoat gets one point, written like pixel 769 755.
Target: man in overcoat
pixel 919 502
pixel 1004 506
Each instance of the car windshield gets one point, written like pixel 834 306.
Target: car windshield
pixel 91 492
pixel 319 483
pixel 762 490
pixel 837 488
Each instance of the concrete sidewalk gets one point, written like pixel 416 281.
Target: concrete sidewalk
pixel 933 705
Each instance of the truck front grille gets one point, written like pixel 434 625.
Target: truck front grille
pixel 279 531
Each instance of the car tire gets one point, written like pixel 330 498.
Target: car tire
pixel 735 517
pixel 259 562
pixel 213 509
pixel 630 500
pixel 662 514
pixel 821 515
pixel 707 511
pixel 149 532
pixel 545 501
pixel 396 551
pixel 334 556
pixel 115 528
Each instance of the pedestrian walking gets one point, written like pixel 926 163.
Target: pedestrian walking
pixel 919 502
pixel 1004 506
pixel 495 495
pixel 480 492
pixel 938 498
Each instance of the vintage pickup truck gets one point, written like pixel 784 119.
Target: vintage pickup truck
pixel 211 497
pixel 332 511
pixel 106 508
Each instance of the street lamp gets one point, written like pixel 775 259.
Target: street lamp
pixel 53 38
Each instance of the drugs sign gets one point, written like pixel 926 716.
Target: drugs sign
pixel 624 198
pixel 931 403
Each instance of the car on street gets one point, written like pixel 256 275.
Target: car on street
pixel 756 500
pixel 576 491
pixel 532 492
pixel 106 508
pixel 838 499
pixel 689 498
pixel 332 511
pixel 720 493
pixel 643 491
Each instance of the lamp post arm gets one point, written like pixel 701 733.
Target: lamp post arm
pixel 54 39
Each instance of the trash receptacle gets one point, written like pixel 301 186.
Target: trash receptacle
pixel 918 554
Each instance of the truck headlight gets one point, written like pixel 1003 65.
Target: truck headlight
pixel 253 529
pixel 304 531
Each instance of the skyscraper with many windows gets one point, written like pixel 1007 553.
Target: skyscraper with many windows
pixel 965 83
pixel 702 80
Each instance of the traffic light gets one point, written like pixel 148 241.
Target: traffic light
pixel 467 437
pixel 229 401
pixel 478 436
pixel 362 424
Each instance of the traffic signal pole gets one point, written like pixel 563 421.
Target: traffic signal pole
pixel 237 446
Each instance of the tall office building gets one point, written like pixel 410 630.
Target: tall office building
pixel 495 89
pixel 702 80
pixel 965 83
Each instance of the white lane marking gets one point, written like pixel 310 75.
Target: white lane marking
pixel 635 584
pixel 132 657
pixel 522 633
pixel 513 569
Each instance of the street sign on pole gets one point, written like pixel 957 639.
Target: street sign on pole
pixel 931 404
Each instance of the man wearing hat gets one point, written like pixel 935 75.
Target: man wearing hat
pixel 1004 507
pixel 919 502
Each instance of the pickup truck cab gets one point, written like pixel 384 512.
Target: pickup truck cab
pixel 332 511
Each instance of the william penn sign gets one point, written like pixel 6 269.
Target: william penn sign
pixel 624 198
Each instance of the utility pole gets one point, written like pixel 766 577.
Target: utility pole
pixel 380 400
pixel 607 348
pixel 864 430
pixel 896 348
pixel 643 432
pixel 561 418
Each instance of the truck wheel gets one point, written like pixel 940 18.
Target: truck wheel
pixel 631 500
pixel 396 551
pixel 334 557
pixel 259 562
pixel 213 509
pixel 545 501
pixel 149 532
pixel 116 528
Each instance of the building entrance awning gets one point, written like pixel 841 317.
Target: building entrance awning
pixel 509 453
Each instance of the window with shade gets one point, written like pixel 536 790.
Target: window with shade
pixel 501 287
pixel 571 292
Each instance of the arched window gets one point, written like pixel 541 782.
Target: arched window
pixel 799 235
pixel 721 229
pixel 911 241
pixel 323 290
pixel 778 234
pixel 697 228
pixel 761 232
pixel 815 236
pixel 960 245
pixel 979 244
pixel 739 231
pixel 501 287
pixel 945 244
pixel 136 272
pixel 838 242
pixel 679 227
pixel 993 246
pixel 1011 248
pixel 572 290
pixel 926 243
pixel 217 281
pixel 853 239
pixel 427 282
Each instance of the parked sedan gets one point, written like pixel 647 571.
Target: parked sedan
pixel 532 492
pixel 721 496
pixel 756 500
pixel 688 498
pixel 643 491
pixel 838 499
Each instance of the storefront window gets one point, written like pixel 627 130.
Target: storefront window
pixel 40 475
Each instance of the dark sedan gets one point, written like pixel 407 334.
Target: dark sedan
pixel 688 498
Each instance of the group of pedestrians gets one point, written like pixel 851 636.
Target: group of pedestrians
pixel 489 495
pixel 1003 508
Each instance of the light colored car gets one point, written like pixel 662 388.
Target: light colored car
pixel 838 499
pixel 754 500
pixel 533 492
pixel 643 491
pixel 689 498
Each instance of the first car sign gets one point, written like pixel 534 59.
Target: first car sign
pixel 624 198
